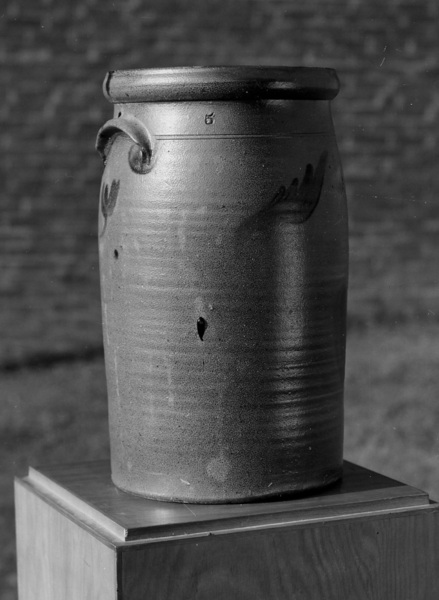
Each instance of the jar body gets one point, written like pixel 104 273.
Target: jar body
pixel 223 282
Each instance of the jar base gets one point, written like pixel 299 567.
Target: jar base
pixel 296 490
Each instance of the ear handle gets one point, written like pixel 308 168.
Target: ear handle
pixel 141 152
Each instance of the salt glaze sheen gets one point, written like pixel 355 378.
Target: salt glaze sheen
pixel 223 249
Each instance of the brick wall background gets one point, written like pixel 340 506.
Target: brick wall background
pixel 54 55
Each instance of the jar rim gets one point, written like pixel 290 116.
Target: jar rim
pixel 173 84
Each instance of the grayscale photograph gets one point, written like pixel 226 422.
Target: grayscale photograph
pixel 219 324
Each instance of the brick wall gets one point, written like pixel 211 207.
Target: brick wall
pixel 54 55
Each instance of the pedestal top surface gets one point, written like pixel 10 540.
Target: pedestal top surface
pixel 86 490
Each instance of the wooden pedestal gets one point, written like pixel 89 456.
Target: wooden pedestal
pixel 80 538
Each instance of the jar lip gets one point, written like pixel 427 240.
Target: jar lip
pixel 220 83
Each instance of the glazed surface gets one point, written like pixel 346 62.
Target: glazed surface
pixel 224 277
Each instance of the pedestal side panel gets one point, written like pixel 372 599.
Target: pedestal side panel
pixel 394 557
pixel 57 559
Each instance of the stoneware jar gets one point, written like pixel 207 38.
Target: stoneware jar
pixel 223 258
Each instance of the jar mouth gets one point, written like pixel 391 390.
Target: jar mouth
pixel 220 83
